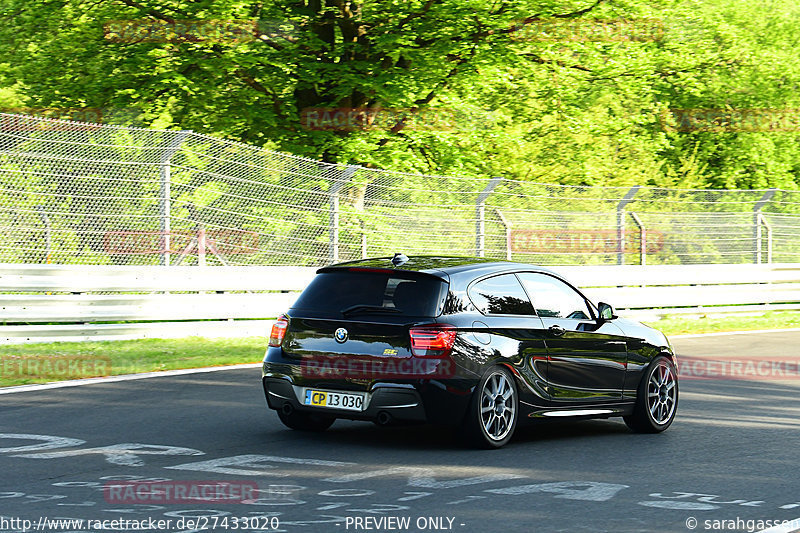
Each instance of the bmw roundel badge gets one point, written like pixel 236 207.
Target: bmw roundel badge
pixel 340 335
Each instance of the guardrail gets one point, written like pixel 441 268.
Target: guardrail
pixel 46 303
pixel 659 290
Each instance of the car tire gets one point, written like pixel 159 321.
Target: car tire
pixel 656 398
pixel 493 410
pixel 306 421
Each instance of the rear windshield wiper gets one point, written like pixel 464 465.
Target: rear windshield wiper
pixel 363 308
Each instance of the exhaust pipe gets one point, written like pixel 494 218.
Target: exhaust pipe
pixel 287 409
pixel 384 418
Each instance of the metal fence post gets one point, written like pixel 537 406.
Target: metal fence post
pixel 164 194
pixel 642 238
pixel 507 225
pixel 333 218
pixel 762 221
pixel 757 217
pixel 628 198
pixel 480 216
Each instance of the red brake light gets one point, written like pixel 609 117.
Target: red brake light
pixel 435 340
pixel 278 331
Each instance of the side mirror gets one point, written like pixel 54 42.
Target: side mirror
pixel 606 311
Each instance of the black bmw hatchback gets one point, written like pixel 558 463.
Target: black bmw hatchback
pixel 479 344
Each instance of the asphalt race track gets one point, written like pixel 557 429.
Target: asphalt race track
pixel 731 454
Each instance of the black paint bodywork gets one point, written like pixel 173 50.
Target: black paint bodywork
pixel 593 369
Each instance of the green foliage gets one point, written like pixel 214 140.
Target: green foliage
pixel 488 88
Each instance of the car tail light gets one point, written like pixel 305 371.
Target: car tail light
pixel 435 340
pixel 278 331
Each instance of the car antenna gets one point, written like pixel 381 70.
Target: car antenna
pixel 399 259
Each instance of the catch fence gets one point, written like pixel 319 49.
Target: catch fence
pixel 95 194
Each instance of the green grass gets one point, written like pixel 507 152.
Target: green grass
pixel 128 357
pixel 677 325
pixel 149 355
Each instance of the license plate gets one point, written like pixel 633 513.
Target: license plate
pixel 335 400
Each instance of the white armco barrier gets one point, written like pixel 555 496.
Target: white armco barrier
pixel 658 290
pixel 46 303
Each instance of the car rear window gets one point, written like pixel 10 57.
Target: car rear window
pixel 361 292
pixel 501 295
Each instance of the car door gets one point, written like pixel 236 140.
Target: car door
pixel 586 358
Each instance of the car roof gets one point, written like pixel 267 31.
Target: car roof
pixel 438 265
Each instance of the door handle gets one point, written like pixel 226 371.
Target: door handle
pixel 557 330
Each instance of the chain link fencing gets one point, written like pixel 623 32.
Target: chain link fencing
pixel 85 193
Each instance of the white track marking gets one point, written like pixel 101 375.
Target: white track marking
pixel 119 454
pixel 124 377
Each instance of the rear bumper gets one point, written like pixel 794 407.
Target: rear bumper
pixel 401 402
pixel 423 401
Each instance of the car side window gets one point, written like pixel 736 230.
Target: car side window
pixel 552 298
pixel 500 295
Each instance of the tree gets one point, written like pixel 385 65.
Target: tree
pixel 571 91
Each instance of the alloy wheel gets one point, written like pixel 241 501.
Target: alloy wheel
pixel 661 393
pixel 498 406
